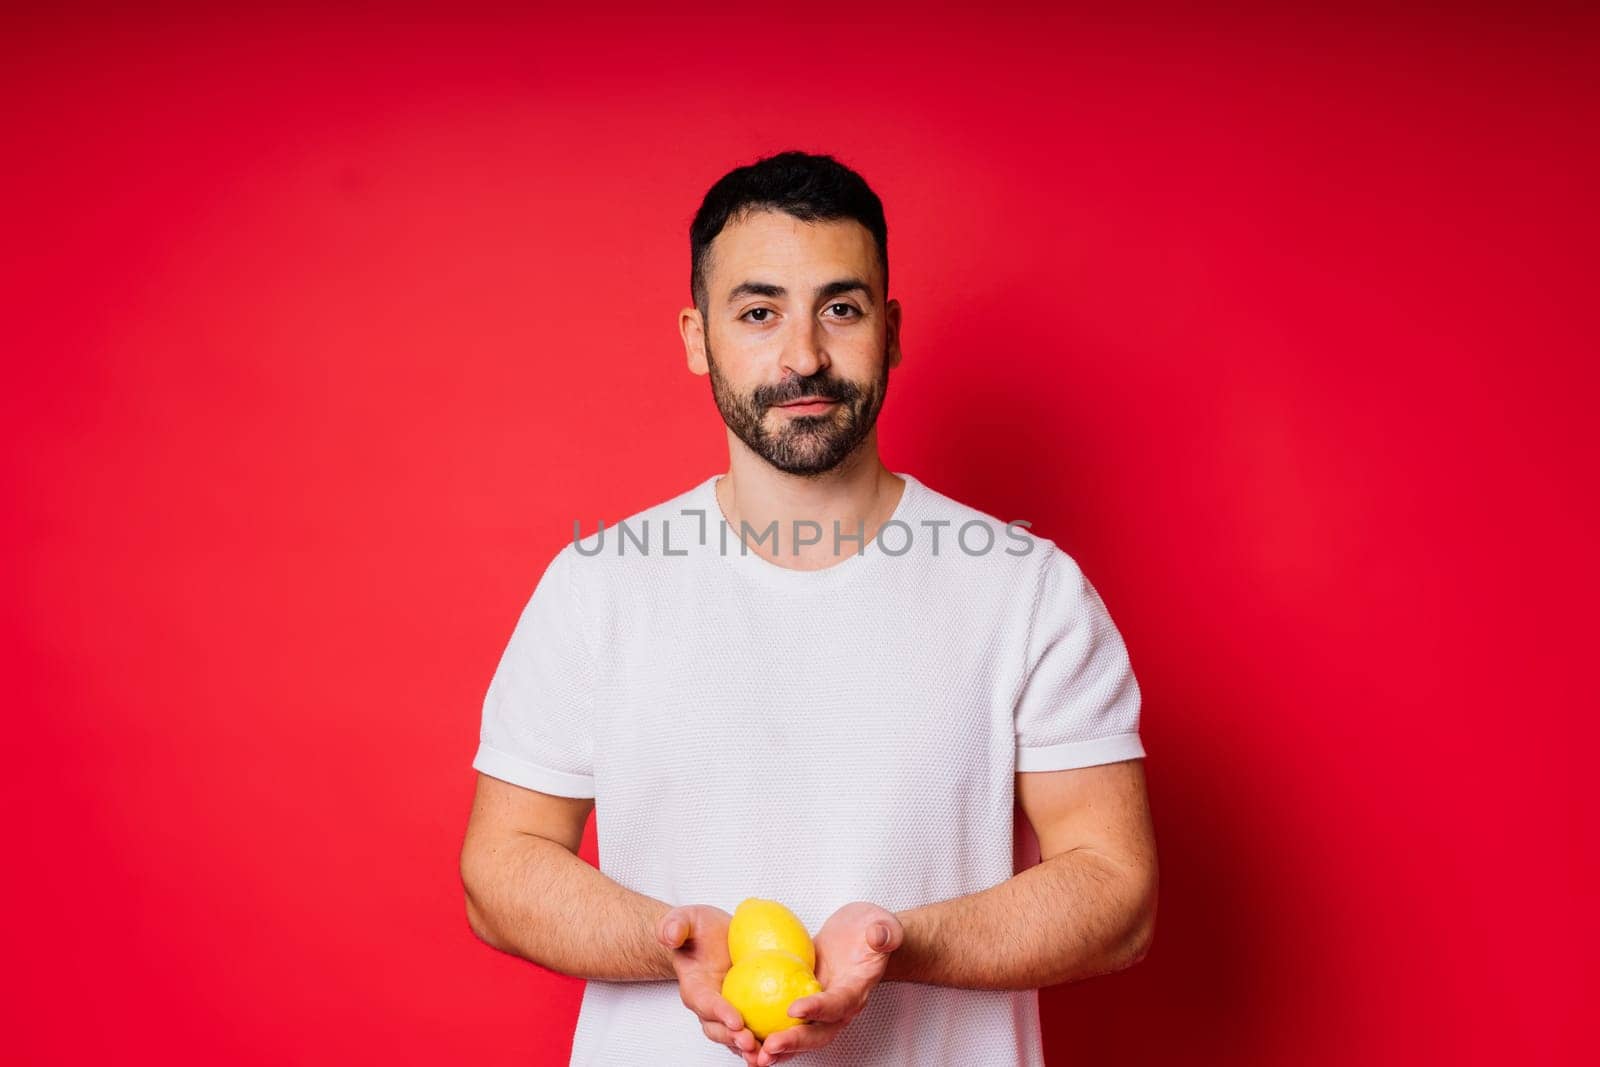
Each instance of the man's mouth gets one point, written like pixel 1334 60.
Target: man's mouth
pixel 807 405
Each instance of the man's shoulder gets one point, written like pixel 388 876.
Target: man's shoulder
pixel 971 532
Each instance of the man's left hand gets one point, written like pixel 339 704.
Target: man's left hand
pixel 853 949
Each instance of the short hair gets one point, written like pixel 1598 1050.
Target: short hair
pixel 808 187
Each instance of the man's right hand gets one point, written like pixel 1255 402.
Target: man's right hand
pixel 697 934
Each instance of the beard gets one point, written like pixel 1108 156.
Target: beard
pixel 802 444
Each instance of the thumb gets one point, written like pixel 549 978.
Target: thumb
pixel 881 937
pixel 674 928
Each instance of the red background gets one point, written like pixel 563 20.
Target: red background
pixel 322 329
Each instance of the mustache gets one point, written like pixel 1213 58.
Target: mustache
pixel 795 389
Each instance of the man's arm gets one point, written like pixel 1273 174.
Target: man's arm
pixel 530 895
pixel 1087 908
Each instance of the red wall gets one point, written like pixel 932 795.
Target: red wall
pixel 322 329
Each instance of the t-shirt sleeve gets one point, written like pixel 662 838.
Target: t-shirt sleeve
pixel 1079 701
pixel 538 715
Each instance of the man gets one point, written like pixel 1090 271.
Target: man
pixel 815 681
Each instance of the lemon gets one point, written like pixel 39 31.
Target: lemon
pixel 763 984
pixel 766 924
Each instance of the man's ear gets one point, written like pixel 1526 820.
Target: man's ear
pixel 891 315
pixel 692 327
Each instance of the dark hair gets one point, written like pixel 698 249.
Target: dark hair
pixel 808 187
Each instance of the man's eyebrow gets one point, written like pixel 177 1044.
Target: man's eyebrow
pixel 832 289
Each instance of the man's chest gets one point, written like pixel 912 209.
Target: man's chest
pixel 847 695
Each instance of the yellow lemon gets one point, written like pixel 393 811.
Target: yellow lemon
pixel 763 984
pixel 766 924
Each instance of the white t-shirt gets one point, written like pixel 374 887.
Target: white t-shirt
pixel 814 737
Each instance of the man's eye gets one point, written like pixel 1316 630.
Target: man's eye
pixel 849 309
pixel 757 312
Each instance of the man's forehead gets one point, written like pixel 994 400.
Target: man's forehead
pixel 784 250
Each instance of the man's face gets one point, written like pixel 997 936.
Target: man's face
pixel 798 339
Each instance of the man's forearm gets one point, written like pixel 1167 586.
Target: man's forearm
pixel 1072 916
pixel 530 897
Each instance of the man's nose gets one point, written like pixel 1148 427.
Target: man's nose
pixel 805 351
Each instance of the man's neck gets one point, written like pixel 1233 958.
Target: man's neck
pixel 860 495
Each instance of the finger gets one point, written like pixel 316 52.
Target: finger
pixel 881 937
pixel 741 1041
pixel 795 1039
pixel 673 929
pixel 712 1007
pixel 743 1045
pixel 765 1058
pixel 830 1005
pixel 725 1011
pixel 741 1036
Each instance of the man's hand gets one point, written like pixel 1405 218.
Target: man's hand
pixel 698 937
pixel 853 949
